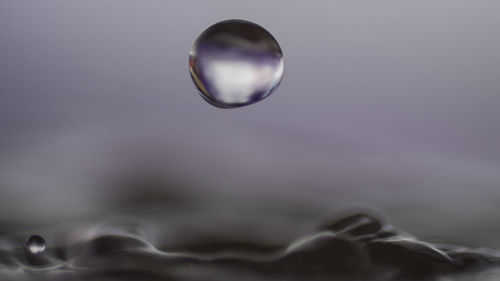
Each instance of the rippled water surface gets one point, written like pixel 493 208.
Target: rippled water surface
pixel 357 246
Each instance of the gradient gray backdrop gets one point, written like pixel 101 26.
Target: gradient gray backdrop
pixel 391 104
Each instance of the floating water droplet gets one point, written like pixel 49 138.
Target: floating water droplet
pixel 235 63
pixel 36 244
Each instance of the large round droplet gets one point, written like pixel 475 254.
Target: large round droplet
pixel 235 63
pixel 35 244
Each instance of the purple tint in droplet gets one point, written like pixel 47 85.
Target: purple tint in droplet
pixel 235 63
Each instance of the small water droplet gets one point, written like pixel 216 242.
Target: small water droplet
pixel 235 63
pixel 36 244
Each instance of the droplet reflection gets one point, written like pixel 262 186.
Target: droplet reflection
pixel 36 244
pixel 235 63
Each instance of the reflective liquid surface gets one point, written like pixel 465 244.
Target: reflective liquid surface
pixel 354 247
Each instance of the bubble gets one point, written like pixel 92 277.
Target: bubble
pixel 235 63
pixel 36 244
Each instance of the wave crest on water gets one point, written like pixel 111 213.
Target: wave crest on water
pixel 354 247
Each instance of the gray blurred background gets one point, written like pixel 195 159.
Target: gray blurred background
pixel 388 104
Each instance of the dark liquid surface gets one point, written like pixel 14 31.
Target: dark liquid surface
pixel 358 246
